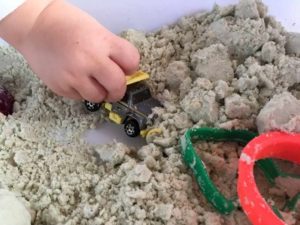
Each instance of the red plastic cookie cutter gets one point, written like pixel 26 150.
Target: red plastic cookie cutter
pixel 270 145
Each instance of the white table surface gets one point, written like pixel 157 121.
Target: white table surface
pixel 119 15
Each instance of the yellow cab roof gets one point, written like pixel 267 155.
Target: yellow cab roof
pixel 136 77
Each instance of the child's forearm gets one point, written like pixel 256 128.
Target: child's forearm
pixel 15 27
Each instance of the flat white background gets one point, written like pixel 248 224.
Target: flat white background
pixel 118 15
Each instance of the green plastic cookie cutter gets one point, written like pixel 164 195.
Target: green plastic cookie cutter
pixel 223 205
pixel 272 171
pixel 194 162
pixel 292 203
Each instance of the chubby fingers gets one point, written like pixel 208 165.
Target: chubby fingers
pixel 107 82
pixel 124 54
pixel 79 86
pixel 112 78
pixel 102 78
pixel 65 90
pixel 90 89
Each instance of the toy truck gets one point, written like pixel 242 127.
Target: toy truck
pixel 134 109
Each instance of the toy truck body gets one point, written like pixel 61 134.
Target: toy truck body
pixel 135 107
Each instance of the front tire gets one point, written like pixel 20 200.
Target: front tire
pixel 91 106
pixel 132 128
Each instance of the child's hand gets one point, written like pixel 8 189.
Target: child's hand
pixel 74 55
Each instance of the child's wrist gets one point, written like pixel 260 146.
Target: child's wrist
pixel 15 27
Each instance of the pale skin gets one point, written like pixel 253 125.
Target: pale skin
pixel 74 55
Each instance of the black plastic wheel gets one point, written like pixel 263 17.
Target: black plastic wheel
pixel 132 128
pixel 92 107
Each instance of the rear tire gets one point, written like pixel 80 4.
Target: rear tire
pixel 92 107
pixel 132 128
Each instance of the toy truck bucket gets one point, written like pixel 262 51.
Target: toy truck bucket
pixel 136 77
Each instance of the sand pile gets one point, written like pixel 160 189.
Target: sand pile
pixel 233 67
